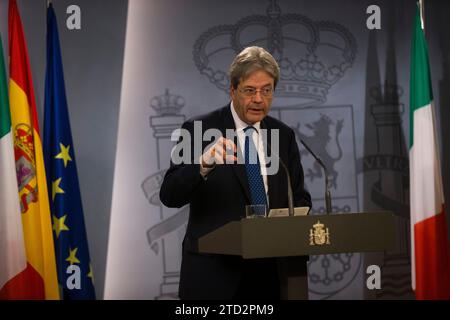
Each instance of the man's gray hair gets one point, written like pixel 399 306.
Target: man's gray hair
pixel 252 59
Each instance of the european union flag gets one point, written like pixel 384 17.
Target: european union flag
pixel 75 274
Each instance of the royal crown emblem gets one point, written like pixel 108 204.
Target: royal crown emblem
pixel 319 235
pixel 167 104
pixel 312 55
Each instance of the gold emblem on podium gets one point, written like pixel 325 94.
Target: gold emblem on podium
pixel 319 235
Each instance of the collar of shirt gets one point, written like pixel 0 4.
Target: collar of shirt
pixel 241 125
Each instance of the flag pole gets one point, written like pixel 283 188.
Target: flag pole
pixel 46 10
pixel 422 14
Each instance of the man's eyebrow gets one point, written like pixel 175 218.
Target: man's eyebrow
pixel 266 85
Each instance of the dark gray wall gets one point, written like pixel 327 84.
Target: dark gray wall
pixel 93 58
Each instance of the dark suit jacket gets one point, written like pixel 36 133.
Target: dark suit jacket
pixel 222 198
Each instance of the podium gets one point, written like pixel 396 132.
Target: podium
pixel 290 239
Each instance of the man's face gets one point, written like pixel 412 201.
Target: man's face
pixel 253 108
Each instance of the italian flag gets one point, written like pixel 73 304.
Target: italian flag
pixel 35 276
pixel 430 244
pixel 13 261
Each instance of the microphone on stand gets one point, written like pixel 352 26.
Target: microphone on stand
pixel 290 196
pixel 289 186
pixel 327 182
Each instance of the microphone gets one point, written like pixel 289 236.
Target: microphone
pixel 327 182
pixel 289 186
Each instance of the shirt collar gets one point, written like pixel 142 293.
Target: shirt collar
pixel 241 125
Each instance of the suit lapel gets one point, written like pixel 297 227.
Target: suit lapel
pixel 238 169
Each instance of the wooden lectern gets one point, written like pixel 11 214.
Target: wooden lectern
pixel 288 238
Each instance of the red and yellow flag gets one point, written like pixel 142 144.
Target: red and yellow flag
pixel 41 278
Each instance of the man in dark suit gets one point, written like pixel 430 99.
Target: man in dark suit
pixel 218 186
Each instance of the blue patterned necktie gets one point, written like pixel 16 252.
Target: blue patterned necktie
pixel 252 166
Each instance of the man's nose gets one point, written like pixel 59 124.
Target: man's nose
pixel 257 97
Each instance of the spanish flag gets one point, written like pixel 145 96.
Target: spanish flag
pixel 41 280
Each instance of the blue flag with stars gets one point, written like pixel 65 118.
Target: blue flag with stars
pixel 75 275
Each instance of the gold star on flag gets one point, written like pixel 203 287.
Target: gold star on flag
pixel 73 256
pixel 55 188
pixel 64 154
pixel 90 274
pixel 59 225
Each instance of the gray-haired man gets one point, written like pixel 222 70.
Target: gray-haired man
pixel 218 187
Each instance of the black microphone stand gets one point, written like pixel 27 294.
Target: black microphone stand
pixel 327 181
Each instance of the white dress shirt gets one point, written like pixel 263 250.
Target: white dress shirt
pixel 257 140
